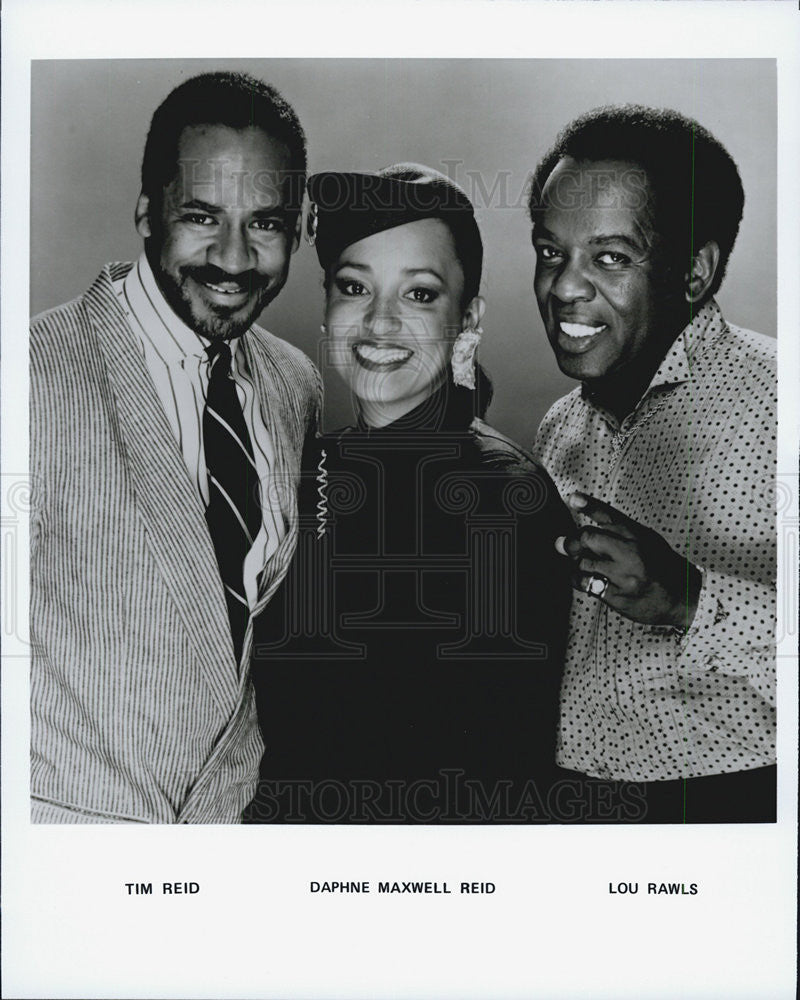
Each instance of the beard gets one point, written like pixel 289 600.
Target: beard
pixel 208 319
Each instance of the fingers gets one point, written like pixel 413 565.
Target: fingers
pixel 602 513
pixel 598 553
pixel 585 564
pixel 593 543
pixel 602 566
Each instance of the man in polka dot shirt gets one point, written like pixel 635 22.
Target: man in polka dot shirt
pixel 666 455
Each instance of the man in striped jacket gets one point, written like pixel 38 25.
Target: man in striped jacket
pixel 166 435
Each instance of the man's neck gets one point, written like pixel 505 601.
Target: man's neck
pixel 621 391
pixel 619 394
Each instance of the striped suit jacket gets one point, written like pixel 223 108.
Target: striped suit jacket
pixel 139 711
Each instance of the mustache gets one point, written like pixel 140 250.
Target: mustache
pixel 209 274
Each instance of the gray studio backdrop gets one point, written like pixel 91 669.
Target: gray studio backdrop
pixel 485 122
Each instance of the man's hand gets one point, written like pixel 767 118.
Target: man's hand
pixel 647 581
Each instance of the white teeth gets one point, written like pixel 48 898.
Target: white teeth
pixel 225 289
pixel 383 355
pixel 580 329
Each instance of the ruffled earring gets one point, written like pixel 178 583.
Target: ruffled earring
pixel 312 221
pixel 463 358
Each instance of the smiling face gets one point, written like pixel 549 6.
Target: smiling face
pixel 600 280
pixel 393 310
pixel 220 245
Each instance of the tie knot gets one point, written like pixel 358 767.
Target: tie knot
pixel 219 355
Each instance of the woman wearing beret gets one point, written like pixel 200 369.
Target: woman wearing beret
pixel 408 670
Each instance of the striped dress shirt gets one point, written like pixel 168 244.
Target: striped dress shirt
pixel 179 367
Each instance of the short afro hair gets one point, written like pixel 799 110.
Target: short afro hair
pixel 236 100
pixel 697 191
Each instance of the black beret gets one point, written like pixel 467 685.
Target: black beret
pixel 347 207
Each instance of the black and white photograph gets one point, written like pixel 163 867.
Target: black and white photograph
pixel 386 622
pixel 410 509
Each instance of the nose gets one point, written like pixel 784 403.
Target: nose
pixel 382 321
pixel 572 284
pixel 231 251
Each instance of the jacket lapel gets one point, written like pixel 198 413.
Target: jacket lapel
pixel 282 423
pixel 170 508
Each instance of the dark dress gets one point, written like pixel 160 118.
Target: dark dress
pixel 408 669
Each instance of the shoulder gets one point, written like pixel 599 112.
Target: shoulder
pixel 62 332
pixel 73 318
pixel 524 485
pixel 279 349
pixel 290 367
pixel 58 321
pixel 728 344
pixel 563 405
pixel 760 350
pixel 501 454
pixel 562 410
pixel 498 451
pixel 289 361
pixel 745 361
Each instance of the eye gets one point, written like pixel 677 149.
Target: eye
pixel 611 257
pixel 199 219
pixel 423 295
pixel 547 253
pixel 350 287
pixel 269 225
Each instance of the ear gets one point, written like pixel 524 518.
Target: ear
pixel 473 314
pixel 142 216
pixel 298 228
pixel 704 267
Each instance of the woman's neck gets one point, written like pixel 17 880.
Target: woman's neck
pixel 379 414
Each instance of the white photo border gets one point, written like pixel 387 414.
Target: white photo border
pixel 551 930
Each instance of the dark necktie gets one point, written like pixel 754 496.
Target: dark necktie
pixel 234 508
